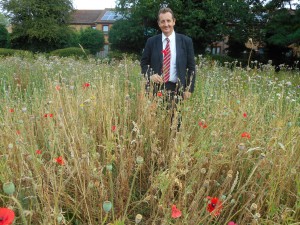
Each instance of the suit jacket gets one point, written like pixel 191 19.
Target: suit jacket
pixel 152 59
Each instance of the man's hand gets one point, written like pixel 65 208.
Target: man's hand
pixel 186 95
pixel 156 78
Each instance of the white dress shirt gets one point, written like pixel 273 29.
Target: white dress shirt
pixel 173 73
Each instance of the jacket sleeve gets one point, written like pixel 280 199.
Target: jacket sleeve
pixel 146 59
pixel 191 67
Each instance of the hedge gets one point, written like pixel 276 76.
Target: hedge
pixel 72 51
pixel 11 52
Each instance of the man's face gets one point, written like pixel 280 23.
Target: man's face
pixel 166 23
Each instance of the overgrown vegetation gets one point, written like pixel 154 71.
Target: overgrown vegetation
pixel 79 133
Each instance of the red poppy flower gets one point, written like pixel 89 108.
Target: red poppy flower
pixel 203 125
pixel 164 52
pixel 86 85
pixel 48 115
pixel 159 94
pixel 232 223
pixel 60 160
pixel 7 216
pixel 12 110
pixel 18 132
pixel 175 212
pixel 245 115
pixel 38 152
pixel 245 135
pixel 214 206
pixel 57 87
pixel 113 128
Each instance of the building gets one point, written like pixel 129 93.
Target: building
pixel 218 47
pixel 96 19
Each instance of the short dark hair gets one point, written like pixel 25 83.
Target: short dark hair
pixel 165 10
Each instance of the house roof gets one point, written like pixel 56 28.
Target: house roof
pixel 109 16
pixel 94 16
pixel 86 16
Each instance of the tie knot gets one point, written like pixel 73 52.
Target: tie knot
pixel 167 39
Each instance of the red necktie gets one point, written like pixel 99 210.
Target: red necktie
pixel 166 62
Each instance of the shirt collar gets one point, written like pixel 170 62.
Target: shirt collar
pixel 171 37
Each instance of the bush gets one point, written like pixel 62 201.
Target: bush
pixel 67 40
pixel 92 40
pixel 11 52
pixel 73 51
pixel 118 55
pixel 6 52
pixel 221 59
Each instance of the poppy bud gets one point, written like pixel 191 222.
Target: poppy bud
pixel 9 188
pixel 107 205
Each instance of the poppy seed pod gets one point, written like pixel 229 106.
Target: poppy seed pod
pixel 109 167
pixel 107 205
pixel 139 160
pixel 138 218
pixel 9 188
pixel 60 218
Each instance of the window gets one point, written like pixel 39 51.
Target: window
pixel 216 50
pixel 105 28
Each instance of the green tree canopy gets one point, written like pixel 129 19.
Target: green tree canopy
pixel 39 25
pixel 284 27
pixel 3 36
pixel 204 21
pixel 92 39
pixel 3 19
pixel 125 37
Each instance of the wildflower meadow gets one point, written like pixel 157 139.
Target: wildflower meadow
pixel 82 142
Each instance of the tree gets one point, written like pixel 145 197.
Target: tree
pixel 92 39
pixel 281 29
pixel 204 21
pixel 212 20
pixel 284 27
pixel 254 29
pixel 125 37
pixel 3 36
pixel 3 20
pixel 39 25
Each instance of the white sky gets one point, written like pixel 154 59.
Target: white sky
pixel 93 4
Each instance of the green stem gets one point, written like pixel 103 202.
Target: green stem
pixel 112 193
pixel 103 222
pixel 131 189
pixel 21 210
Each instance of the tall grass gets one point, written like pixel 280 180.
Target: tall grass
pixel 119 144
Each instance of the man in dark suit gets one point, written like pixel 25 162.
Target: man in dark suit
pixel 171 49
